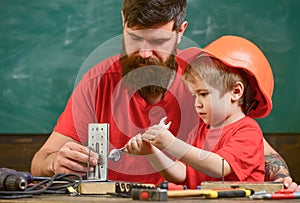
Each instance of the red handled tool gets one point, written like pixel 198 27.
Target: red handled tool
pixel 280 194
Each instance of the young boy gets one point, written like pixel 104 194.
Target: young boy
pixel 228 91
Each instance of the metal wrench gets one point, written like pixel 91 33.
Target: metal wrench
pixel 116 154
pixel 162 123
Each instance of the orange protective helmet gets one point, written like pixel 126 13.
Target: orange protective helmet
pixel 238 52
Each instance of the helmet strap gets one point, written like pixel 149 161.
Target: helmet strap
pixel 253 105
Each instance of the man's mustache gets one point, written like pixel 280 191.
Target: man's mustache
pixel 131 63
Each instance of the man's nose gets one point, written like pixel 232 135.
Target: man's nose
pixel 145 50
pixel 146 53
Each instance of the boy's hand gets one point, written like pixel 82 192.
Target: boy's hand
pixel 137 146
pixel 159 136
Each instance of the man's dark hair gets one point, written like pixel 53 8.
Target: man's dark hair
pixel 149 13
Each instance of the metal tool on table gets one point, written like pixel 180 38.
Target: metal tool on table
pixel 98 139
pixel 12 180
pixel 116 154
pixel 212 193
pixel 281 194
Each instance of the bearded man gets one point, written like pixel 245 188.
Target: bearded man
pixel 130 91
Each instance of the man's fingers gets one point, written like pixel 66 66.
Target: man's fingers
pixel 73 158
pixel 81 149
pixel 65 166
pixel 79 153
pixel 79 157
pixel 293 186
pixel 288 183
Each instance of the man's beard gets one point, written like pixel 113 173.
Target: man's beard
pixel 150 77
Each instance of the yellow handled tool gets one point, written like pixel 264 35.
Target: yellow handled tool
pixel 220 193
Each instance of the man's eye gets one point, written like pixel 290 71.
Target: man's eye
pixel 135 38
pixel 158 41
pixel 203 94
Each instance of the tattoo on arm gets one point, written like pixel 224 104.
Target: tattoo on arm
pixel 275 167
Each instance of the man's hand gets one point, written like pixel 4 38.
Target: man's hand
pixel 289 184
pixel 73 158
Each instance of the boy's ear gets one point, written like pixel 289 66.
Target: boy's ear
pixel 238 91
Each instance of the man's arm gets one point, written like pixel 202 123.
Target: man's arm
pixel 61 154
pixel 276 168
pixel 275 165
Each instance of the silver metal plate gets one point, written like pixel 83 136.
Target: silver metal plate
pixel 98 140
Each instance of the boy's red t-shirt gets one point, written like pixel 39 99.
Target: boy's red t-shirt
pixel 239 143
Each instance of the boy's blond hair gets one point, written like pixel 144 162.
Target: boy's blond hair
pixel 216 74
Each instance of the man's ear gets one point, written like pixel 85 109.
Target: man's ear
pixel 123 20
pixel 181 31
pixel 238 91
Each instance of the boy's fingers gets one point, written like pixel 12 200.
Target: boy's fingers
pixel 147 136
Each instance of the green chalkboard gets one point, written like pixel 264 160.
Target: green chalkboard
pixel 43 45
